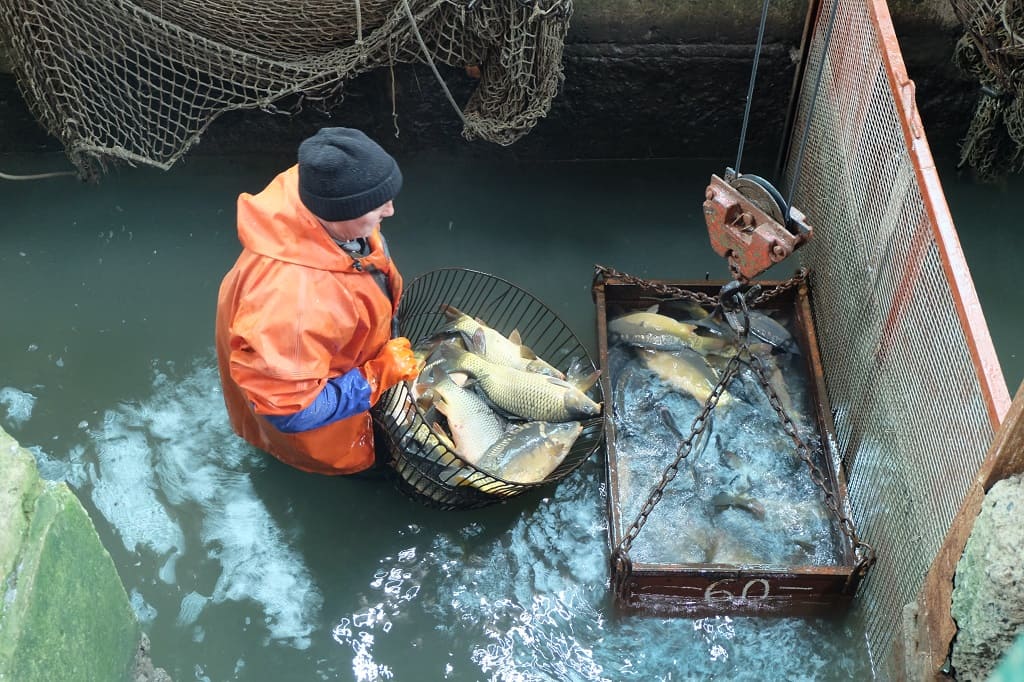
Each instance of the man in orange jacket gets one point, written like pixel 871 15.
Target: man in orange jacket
pixel 305 319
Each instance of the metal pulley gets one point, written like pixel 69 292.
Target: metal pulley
pixel 749 223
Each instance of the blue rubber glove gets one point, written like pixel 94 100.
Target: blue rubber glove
pixel 341 397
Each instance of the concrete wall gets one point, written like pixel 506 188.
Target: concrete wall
pixel 64 614
pixel 643 78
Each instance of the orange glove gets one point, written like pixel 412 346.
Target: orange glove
pixel 394 363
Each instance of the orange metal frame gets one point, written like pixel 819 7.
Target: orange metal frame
pixel 990 375
pixel 934 628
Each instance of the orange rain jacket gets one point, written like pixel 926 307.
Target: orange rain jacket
pixel 295 311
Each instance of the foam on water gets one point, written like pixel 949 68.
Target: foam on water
pixel 19 405
pixel 124 489
pixel 151 466
pixel 143 611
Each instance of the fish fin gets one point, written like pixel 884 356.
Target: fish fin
pixel 527 353
pixel 524 351
pixel 582 375
pixel 435 375
pixel 439 404
pixel 477 342
pixel 461 379
pixel 451 312
pixel 653 309
pixel 430 414
pixel 425 400
pixel 441 432
pixel 451 354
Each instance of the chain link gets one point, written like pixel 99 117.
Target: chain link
pixel 678 292
pixel 865 553
pixel 620 556
pixel 766 295
pixel 667 291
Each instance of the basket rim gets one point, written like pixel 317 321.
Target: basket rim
pixel 571 337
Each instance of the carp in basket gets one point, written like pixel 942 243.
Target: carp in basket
pixel 495 405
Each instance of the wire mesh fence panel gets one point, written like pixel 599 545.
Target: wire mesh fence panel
pixel 906 354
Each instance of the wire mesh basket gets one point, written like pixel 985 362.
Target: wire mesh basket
pixel 428 469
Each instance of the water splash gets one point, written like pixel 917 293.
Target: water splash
pixel 395 588
pixel 152 466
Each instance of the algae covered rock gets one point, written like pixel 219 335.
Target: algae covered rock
pixel 64 614
pixel 988 595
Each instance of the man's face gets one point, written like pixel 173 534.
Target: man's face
pixel 358 228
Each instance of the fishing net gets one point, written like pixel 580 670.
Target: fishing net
pixel 429 470
pixel 992 51
pixel 139 81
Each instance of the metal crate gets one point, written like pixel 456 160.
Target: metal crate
pixel 706 587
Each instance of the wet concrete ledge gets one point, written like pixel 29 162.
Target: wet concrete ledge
pixel 64 614
pixel 643 79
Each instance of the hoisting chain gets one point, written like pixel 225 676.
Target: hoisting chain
pixel 667 291
pixel 671 292
pixel 622 566
pixel 730 297
pixel 865 553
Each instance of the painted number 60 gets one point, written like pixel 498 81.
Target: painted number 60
pixel 715 592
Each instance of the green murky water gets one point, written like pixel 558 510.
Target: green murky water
pixel 242 569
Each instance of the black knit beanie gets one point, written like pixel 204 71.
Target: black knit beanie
pixel 343 174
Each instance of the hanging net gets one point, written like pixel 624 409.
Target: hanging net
pixel 139 81
pixel 992 51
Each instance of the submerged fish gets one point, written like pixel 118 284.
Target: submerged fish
pixel 530 451
pixel 685 372
pixel 527 395
pixel 777 381
pixel 651 329
pixel 748 503
pixel 495 347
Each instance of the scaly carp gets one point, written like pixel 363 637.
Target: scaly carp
pixel 685 372
pixel 651 329
pixel 494 346
pixel 475 427
pixel 527 395
pixel 530 451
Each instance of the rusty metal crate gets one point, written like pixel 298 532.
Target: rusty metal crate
pixel 710 588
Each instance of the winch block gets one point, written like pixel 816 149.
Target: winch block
pixel 743 232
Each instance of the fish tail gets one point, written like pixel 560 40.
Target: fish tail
pixel 581 375
pixel 451 312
